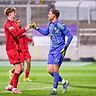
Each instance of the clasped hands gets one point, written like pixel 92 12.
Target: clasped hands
pixel 32 25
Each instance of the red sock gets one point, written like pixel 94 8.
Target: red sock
pixel 26 74
pixel 11 81
pixel 15 79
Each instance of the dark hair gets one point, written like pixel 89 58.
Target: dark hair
pixel 56 12
pixel 9 10
pixel 17 19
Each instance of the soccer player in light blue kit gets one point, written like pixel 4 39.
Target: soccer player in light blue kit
pixel 57 31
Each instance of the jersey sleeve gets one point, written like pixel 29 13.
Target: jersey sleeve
pixel 63 28
pixel 15 31
pixel 43 31
pixel 29 39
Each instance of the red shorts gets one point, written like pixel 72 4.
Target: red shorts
pixel 26 54
pixel 15 56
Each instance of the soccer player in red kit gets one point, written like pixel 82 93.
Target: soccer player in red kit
pixel 14 52
pixel 23 39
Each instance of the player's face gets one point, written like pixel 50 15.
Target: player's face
pixel 18 22
pixel 50 16
pixel 13 15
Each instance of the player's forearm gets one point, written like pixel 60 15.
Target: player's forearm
pixel 29 39
pixel 43 31
pixel 18 32
pixel 70 37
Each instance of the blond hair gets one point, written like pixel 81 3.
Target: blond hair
pixel 9 10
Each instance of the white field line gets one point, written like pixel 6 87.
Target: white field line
pixel 43 88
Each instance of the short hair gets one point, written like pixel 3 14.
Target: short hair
pixel 9 10
pixel 17 19
pixel 56 12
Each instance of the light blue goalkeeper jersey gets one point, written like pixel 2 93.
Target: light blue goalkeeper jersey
pixel 57 32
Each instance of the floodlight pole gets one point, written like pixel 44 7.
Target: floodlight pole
pixel 78 37
pixel 28 15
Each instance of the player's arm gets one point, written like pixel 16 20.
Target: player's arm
pixel 67 33
pixel 41 30
pixel 30 40
pixel 15 32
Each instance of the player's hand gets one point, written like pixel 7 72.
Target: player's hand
pixel 63 51
pixel 27 27
pixel 33 25
pixel 32 43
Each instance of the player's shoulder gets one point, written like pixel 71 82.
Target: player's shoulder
pixel 60 24
pixel 6 23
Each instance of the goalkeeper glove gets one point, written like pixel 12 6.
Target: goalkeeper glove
pixel 63 51
pixel 33 25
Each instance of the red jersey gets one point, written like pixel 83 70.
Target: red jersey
pixel 12 33
pixel 23 39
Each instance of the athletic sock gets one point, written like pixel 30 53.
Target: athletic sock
pixel 63 81
pixel 15 79
pixel 56 80
pixel 11 81
pixel 26 74
pixel 60 78
pixel 54 89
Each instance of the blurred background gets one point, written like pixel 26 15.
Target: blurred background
pixel 78 15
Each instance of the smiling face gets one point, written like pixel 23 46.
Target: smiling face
pixel 18 22
pixel 12 14
pixel 51 16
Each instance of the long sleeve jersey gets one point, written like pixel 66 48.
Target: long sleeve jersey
pixel 12 32
pixel 57 32
pixel 23 39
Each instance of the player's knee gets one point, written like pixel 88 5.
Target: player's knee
pixel 50 71
pixel 18 70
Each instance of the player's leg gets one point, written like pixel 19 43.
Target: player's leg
pixel 15 58
pixel 12 86
pixel 62 80
pixel 51 67
pixel 11 72
pixel 18 70
pixel 57 78
pixel 27 70
pixel 27 58
pixel 51 72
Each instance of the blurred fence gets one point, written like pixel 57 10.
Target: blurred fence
pixel 78 15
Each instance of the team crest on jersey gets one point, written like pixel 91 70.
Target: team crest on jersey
pixel 55 28
pixel 10 28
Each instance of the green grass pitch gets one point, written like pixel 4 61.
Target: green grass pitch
pixel 82 78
